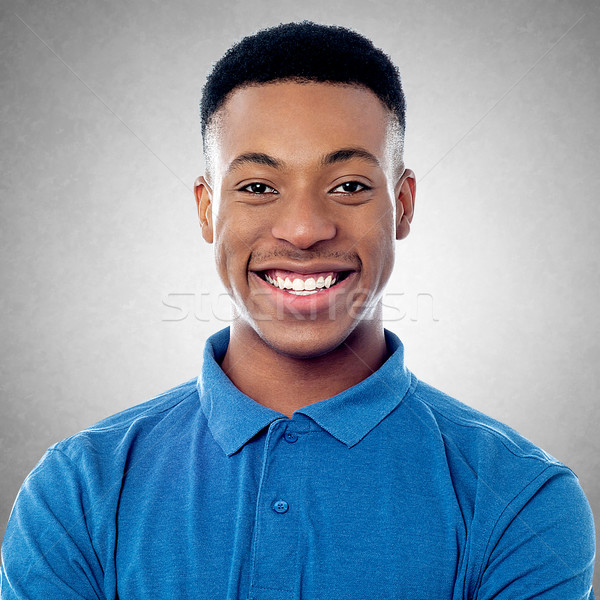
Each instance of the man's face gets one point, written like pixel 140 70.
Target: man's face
pixel 304 203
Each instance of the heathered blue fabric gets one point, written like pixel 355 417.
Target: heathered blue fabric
pixel 389 490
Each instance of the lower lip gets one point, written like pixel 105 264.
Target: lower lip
pixel 311 303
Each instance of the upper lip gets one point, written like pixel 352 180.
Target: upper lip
pixel 303 268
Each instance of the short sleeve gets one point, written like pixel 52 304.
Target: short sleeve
pixel 545 549
pixel 47 550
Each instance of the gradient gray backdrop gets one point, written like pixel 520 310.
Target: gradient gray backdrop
pixel 108 292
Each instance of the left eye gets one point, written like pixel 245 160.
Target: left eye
pixel 259 188
pixel 350 187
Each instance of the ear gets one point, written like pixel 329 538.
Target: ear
pixel 405 192
pixel 203 194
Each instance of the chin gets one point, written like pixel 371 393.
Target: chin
pixel 304 341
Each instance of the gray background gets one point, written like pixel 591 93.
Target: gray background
pixel 108 292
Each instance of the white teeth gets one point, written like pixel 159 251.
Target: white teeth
pixel 300 286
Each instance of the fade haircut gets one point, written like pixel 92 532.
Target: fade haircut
pixel 304 52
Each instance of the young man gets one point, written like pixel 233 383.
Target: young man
pixel 306 461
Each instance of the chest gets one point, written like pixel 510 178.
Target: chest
pixel 293 515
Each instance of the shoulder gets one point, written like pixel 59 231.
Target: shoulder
pixel 492 468
pixel 102 452
pixel 93 463
pixel 62 522
pixel 155 407
pixel 474 433
pixel 518 501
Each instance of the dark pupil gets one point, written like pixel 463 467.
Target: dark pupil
pixel 350 186
pixel 258 188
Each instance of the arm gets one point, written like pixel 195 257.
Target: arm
pixel 47 550
pixel 545 549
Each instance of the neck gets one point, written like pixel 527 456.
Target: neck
pixel 285 383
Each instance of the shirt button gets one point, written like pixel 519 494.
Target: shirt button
pixel 280 506
pixel 290 437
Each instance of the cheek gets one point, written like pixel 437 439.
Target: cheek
pixel 380 254
pixel 383 254
pixel 224 249
pixel 233 241
pixel 222 260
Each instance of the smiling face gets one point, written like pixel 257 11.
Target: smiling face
pixel 305 198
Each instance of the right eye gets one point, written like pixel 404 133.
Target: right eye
pixel 258 188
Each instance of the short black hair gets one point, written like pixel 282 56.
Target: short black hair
pixel 304 52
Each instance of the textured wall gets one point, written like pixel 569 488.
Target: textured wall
pixel 495 290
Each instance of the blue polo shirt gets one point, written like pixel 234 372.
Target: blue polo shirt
pixel 389 490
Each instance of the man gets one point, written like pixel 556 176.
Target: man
pixel 306 461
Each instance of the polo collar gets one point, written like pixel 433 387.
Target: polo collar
pixel 234 418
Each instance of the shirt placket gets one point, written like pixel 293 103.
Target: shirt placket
pixel 274 566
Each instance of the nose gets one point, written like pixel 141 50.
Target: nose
pixel 304 222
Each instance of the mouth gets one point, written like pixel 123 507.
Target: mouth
pixel 302 284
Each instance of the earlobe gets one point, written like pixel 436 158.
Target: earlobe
pixel 203 194
pixel 405 203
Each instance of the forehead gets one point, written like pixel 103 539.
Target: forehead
pixel 298 122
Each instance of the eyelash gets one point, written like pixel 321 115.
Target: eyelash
pixel 364 188
pixel 245 188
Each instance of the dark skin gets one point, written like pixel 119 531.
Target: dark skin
pixel 306 180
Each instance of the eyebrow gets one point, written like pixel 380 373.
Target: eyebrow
pixel 337 156
pixel 348 153
pixel 256 158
